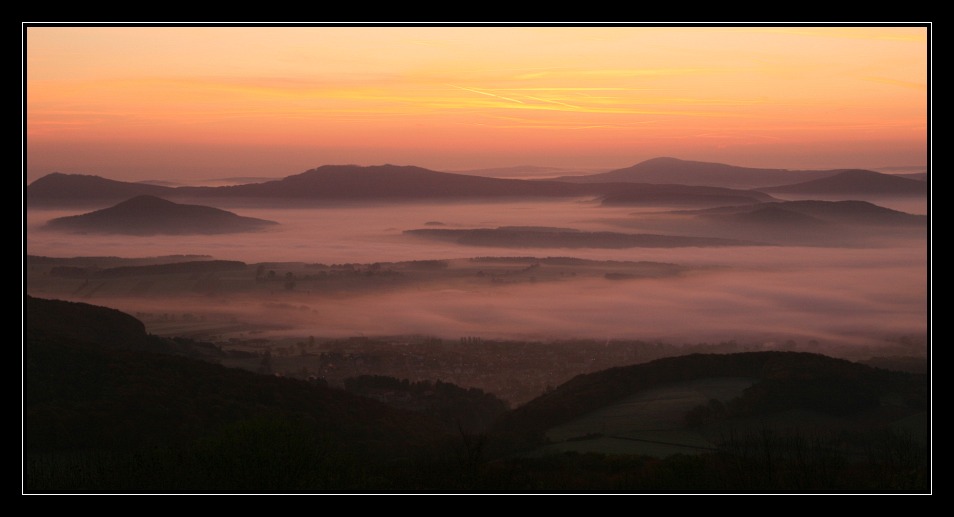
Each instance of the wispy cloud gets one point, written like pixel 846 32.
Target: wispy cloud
pixel 489 94
pixel 898 82
pixel 898 34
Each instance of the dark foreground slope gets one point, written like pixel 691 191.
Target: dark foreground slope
pixel 101 416
pixel 56 320
pixel 150 215
pixel 785 380
pixel 808 423
pixel 103 413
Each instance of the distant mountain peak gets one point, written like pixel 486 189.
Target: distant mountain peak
pixel 855 182
pixel 59 187
pixel 146 200
pixel 670 170
pixel 666 159
pixel 151 215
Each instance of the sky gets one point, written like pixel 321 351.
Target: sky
pixel 200 102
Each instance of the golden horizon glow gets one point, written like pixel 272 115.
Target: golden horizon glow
pixel 471 97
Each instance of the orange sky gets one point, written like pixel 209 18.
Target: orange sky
pixel 204 102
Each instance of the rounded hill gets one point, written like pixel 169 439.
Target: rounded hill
pixel 151 215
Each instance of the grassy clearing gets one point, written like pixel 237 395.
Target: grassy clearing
pixel 650 422
pixel 657 409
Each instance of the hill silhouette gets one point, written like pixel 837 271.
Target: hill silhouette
pixel 150 215
pixel 79 322
pixel 70 322
pixel 686 172
pixel 814 213
pixel 653 194
pixel 71 189
pixel 772 215
pixel 389 183
pixel 100 416
pixel 137 420
pixel 785 380
pixel 852 211
pixel 855 182
pixel 392 182
pixel 459 409
pixel 520 237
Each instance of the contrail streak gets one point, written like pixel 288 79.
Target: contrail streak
pixel 486 93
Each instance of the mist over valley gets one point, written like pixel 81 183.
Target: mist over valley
pixel 454 258
pixel 542 320
pixel 768 270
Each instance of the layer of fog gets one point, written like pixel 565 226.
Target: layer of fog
pixel 359 234
pixel 852 300
pixel 368 233
pixel 835 295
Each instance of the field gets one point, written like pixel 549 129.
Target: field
pixel 651 422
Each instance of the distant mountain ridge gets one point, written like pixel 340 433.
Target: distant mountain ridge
pixel 812 211
pixel 66 189
pixel 350 182
pixel 529 172
pixel 150 215
pixel 854 182
pixel 668 170
pixel 385 183
pixel 394 182
pixel 517 237
pixel 645 193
